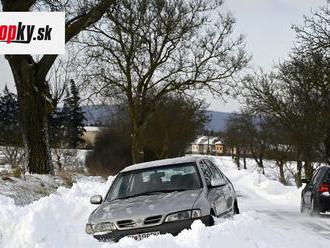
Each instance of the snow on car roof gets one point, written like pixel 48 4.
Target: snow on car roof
pixel 163 162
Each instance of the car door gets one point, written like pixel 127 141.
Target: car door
pixel 309 189
pixel 227 189
pixel 215 195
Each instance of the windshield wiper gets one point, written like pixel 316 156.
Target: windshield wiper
pixel 151 193
pixel 165 191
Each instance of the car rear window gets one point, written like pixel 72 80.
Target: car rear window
pixel 315 175
pixel 328 177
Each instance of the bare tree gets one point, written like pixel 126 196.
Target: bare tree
pixel 172 128
pixel 269 96
pixel 261 137
pixel 280 148
pixel 30 74
pixel 296 97
pixel 236 137
pixel 177 122
pixel 255 127
pixel 314 38
pixel 298 93
pixel 315 33
pixel 58 79
pixel 147 49
pixel 13 155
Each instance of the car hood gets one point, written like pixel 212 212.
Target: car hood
pixel 144 206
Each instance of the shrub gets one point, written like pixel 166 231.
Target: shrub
pixel 111 153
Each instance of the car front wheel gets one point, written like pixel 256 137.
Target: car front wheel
pixel 236 209
pixel 211 220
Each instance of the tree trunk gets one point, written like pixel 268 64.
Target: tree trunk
pixel 233 153
pixel 327 146
pixel 298 173
pixel 280 165
pixel 35 106
pixel 244 159
pixel 137 145
pixel 259 160
pixel 308 167
pixel 33 91
pixel 238 158
pixel 261 165
pixel 139 116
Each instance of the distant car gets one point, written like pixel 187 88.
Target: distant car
pixel 163 196
pixel 315 197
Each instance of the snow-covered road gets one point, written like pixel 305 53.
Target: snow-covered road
pixel 277 206
pixel 269 218
pixel 287 221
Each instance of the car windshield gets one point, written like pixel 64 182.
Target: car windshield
pixel 155 180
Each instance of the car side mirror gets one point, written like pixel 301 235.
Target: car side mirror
pixel 96 199
pixel 305 180
pixel 217 182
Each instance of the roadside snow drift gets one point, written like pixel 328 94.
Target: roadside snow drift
pixel 270 218
pixel 54 221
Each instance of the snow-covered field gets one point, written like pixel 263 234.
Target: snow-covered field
pixel 269 218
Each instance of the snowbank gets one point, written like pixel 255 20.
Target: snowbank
pixel 29 188
pixel 54 221
pixel 265 186
pixel 246 230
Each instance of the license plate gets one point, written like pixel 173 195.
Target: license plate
pixel 143 235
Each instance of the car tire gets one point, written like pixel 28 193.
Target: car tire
pixel 211 220
pixel 302 206
pixel 231 213
pixel 236 209
pixel 313 210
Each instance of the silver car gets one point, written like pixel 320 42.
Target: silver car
pixel 160 197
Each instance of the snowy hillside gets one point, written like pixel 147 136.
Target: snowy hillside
pixel 101 114
pixel 269 218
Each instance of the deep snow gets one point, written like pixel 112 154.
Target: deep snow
pixel 270 218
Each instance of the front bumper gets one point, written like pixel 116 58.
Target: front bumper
pixel 171 227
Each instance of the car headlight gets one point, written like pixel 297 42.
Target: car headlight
pixel 196 213
pixel 89 229
pixel 184 215
pixel 104 227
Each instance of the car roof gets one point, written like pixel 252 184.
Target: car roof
pixel 163 162
pixel 323 167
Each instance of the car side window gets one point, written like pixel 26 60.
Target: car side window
pixel 316 172
pixel 118 191
pixel 206 171
pixel 328 177
pixel 318 176
pixel 215 172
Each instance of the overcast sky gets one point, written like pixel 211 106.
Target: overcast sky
pixel 267 26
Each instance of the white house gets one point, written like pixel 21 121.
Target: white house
pixel 207 145
pixel 90 134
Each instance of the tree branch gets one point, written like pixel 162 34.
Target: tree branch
pixel 17 5
pixel 72 28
